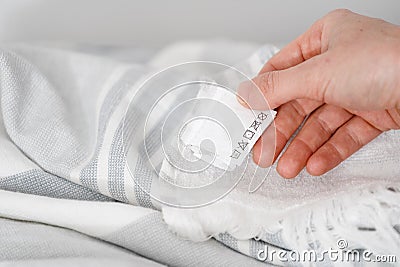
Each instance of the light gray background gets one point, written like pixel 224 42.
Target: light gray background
pixel 155 23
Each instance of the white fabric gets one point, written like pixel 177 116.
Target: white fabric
pixel 62 162
pixel 92 218
pixel 348 198
pixel 62 114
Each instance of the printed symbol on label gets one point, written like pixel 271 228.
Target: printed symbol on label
pixel 242 144
pixel 248 134
pixel 235 154
pixel 262 116
pixel 255 125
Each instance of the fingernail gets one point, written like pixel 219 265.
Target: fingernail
pixel 241 101
pixel 264 151
pixel 243 93
pixel 251 96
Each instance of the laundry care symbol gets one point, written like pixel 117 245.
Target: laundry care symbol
pixel 255 124
pixel 248 134
pixel 235 154
pixel 242 144
pixel 262 116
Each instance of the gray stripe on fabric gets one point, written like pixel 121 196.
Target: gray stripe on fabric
pixel 28 241
pixel 255 247
pixel 143 175
pixel 116 167
pixel 143 178
pixel 39 182
pixel 275 239
pixel 146 147
pixel 117 155
pixel 88 176
pixel 228 240
pixel 150 237
pixel 153 143
pixel 144 171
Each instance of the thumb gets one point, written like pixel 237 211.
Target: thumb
pixel 271 89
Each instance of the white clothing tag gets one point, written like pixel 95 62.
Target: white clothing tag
pixel 233 130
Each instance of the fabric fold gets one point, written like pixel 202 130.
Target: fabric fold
pixel 64 163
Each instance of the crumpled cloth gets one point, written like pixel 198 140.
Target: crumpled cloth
pixel 61 133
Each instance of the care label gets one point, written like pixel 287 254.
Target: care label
pixel 222 131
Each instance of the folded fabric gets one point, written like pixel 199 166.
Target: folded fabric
pixel 64 129
pixel 358 201
pixel 60 133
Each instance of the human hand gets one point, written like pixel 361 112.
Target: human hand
pixel 343 77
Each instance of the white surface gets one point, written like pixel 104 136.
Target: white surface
pixel 154 23
pixel 89 217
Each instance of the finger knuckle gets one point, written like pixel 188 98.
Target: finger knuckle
pixel 269 81
pixel 353 137
pixel 336 15
pixel 340 12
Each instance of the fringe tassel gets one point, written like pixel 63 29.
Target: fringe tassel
pixel 366 218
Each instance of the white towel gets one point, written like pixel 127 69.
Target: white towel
pixel 358 201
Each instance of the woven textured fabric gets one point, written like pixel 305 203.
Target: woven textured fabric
pixel 64 131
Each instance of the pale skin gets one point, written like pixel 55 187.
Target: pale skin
pixel 344 74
